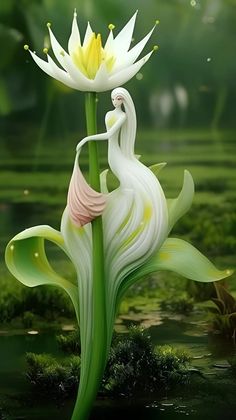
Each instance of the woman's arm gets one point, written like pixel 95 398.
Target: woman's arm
pixel 103 136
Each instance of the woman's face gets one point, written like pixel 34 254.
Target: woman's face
pixel 117 100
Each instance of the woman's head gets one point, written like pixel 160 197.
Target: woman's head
pixel 121 96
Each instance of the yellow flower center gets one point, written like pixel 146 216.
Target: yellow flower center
pixel 89 57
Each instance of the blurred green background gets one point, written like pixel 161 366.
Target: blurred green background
pixel 185 101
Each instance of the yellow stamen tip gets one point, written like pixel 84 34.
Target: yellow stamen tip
pixel 155 48
pixel 111 26
pixel 26 47
pixel 48 24
pixel 45 50
pixel 157 22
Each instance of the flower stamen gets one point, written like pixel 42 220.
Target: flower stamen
pixel 89 57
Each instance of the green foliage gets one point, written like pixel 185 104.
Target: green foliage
pixel 70 343
pixel 172 366
pixel 134 367
pixel 131 366
pixel 28 319
pixel 200 292
pixel 211 228
pixel 49 376
pixel 224 318
pixel 178 304
pixel 47 302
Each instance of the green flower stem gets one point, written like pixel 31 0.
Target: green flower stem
pixel 95 368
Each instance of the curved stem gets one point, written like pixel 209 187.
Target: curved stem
pixel 93 357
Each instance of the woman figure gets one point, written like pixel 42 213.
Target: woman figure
pixel 135 214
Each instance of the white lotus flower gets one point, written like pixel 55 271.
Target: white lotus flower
pixel 90 67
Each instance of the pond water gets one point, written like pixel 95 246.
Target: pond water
pixel 212 397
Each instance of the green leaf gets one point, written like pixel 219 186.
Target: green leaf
pixel 156 168
pixel 179 206
pixel 26 259
pixel 220 305
pixel 227 298
pixel 183 258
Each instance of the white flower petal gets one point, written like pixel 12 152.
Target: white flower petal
pixel 54 71
pixel 126 74
pixel 101 79
pixel 44 65
pixel 88 34
pixel 132 55
pixel 61 75
pixel 109 43
pixel 74 40
pixel 57 48
pixel 83 83
pixel 123 40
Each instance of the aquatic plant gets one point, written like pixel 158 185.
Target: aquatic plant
pixel 70 343
pixel 112 238
pixel 46 374
pixel 134 367
pixel 224 320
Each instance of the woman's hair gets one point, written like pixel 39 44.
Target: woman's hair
pixel 128 130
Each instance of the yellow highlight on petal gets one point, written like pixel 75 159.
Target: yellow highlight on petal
pixel 147 214
pixel 164 256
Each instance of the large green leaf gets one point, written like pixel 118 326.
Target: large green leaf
pixel 179 206
pixel 27 261
pixel 182 258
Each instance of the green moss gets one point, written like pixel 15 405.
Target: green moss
pixel 49 376
pixel 134 367
pixel 70 343
pixel 19 301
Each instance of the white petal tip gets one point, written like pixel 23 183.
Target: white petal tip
pixel 26 47
pixel 49 25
